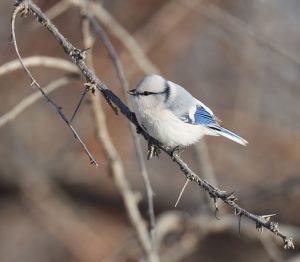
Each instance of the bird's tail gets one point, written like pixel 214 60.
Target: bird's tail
pixel 232 136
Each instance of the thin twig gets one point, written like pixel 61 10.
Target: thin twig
pixel 124 83
pixel 214 192
pixel 22 8
pixel 85 91
pixel 29 100
pixel 181 192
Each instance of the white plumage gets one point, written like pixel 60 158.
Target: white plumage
pixel 170 114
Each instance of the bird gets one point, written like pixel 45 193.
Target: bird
pixel 171 115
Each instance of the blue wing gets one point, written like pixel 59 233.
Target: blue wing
pixel 203 117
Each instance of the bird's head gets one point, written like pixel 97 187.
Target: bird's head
pixel 152 91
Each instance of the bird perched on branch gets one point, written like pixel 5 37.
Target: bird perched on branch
pixel 171 115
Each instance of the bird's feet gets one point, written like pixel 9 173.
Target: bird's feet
pixel 153 149
pixel 177 151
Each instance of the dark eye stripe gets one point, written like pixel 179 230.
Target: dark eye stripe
pixel 146 93
pixel 167 90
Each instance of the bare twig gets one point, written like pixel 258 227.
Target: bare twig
pixel 84 93
pixel 45 61
pixel 121 75
pixel 115 162
pixel 22 8
pixel 214 192
pixel 29 100
pixel 181 192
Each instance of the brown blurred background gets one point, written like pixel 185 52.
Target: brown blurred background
pixel 239 57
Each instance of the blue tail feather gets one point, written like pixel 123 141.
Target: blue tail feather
pixel 225 132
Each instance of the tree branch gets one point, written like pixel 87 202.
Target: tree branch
pixel 215 193
pixel 115 162
pixel 124 84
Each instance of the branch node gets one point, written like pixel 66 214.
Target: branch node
pixel 90 86
pixel 237 212
pixel 78 54
pixel 24 10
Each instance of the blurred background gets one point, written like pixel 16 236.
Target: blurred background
pixel 240 58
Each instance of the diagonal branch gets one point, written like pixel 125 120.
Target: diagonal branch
pixel 115 162
pixel 121 75
pixel 214 192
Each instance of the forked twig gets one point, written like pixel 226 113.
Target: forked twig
pixel 22 8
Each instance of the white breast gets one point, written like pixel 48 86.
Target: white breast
pixel 169 129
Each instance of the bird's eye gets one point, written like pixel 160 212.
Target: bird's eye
pixel 146 93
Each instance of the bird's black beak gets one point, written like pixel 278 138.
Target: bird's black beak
pixel 132 92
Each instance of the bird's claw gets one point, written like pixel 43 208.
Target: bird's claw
pixel 153 150
pixel 139 130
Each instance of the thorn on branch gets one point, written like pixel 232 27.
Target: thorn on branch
pixel 230 197
pixel 78 54
pixel 240 222
pixel 288 243
pixel 84 52
pixel 266 220
pixel 237 212
pixel 268 217
pixel 216 208
pixel 90 86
